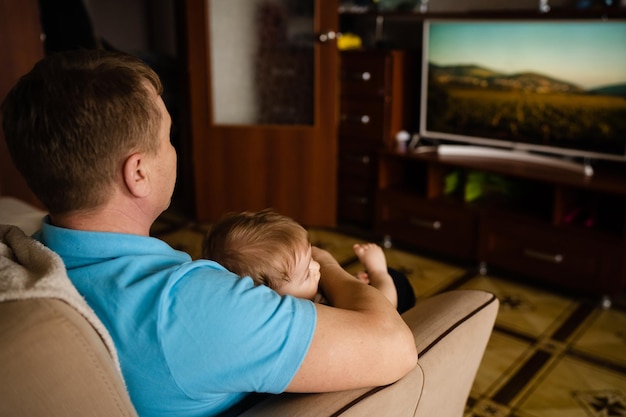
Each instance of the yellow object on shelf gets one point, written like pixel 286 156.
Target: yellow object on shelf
pixel 349 41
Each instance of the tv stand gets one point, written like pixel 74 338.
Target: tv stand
pixel 516 155
pixel 516 216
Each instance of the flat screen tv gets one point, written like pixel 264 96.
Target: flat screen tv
pixel 555 87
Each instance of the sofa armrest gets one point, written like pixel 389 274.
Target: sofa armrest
pixel 451 333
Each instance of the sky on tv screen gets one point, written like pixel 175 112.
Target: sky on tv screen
pixel 587 54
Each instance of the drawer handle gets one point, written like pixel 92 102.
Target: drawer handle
pixel 427 224
pixel 363 76
pixel 358 200
pixel 363 119
pixel 557 259
pixel 359 159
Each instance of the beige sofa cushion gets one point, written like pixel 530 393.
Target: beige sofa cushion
pixel 75 375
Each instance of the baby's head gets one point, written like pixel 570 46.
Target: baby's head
pixel 271 248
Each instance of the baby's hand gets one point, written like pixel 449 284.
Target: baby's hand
pixel 363 277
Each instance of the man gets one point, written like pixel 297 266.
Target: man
pixel 90 133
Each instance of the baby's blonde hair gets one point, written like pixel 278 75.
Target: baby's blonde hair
pixel 264 245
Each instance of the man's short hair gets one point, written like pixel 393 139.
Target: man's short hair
pixel 72 120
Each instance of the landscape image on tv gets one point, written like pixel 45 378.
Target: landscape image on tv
pixel 544 84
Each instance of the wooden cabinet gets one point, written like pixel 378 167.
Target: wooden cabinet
pixel 373 108
pixel 435 225
pixel 558 228
pixel 579 261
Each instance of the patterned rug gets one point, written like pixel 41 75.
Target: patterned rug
pixel 551 354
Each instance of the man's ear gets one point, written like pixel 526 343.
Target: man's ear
pixel 135 173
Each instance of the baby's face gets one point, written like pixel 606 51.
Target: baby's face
pixel 305 278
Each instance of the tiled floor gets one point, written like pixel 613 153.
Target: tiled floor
pixel 550 355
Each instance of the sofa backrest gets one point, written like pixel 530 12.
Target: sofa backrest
pixel 53 363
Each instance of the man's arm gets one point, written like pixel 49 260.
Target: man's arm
pixel 359 342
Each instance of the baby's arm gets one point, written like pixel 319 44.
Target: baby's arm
pixel 373 258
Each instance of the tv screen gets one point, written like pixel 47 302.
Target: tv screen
pixel 549 86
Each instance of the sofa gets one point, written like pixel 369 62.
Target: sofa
pixel 56 358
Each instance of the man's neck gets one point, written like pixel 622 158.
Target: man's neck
pixel 109 218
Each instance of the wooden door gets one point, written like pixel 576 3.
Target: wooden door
pixel 280 157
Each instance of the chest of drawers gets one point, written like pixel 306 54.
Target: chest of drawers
pixel 374 106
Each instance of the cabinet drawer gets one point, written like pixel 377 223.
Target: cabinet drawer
pixel 353 163
pixel 364 74
pixel 355 209
pixel 364 119
pixel 551 254
pixel 355 202
pixel 428 224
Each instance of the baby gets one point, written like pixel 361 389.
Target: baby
pixel 274 250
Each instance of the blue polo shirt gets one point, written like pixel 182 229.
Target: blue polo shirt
pixel 192 338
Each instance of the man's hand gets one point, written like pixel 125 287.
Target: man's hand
pixel 360 342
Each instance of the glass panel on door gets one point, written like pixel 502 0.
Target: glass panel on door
pixel 262 61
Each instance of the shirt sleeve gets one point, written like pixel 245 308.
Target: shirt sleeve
pixel 221 333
